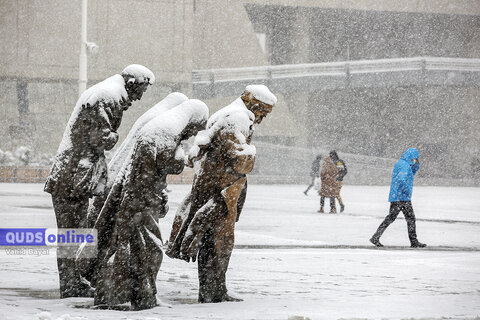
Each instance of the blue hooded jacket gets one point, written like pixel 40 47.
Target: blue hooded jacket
pixel 402 177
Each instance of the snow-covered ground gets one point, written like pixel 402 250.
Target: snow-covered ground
pixel 290 262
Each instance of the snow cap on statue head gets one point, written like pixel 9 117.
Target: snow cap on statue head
pixel 262 93
pixel 139 74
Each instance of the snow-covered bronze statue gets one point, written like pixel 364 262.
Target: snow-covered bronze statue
pixel 129 248
pixel 126 148
pixel 222 155
pixel 79 170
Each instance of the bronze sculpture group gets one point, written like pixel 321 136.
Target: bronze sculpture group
pixel 129 195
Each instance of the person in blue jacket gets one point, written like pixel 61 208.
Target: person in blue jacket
pixel 400 197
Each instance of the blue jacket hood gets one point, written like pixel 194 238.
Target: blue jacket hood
pixel 410 154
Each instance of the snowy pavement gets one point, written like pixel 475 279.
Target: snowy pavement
pixel 290 262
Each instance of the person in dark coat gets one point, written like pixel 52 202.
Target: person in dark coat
pixel 222 155
pixel 342 172
pixel 329 188
pixel 314 172
pixel 130 243
pixel 400 197
pixel 79 170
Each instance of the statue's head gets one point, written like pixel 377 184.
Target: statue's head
pixel 137 79
pixel 259 100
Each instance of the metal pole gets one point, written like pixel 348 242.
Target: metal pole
pixel 82 76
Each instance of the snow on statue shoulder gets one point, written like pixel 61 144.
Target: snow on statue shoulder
pixel 109 91
pixel 234 119
pixel 125 149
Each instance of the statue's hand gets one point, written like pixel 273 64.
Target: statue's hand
pixel 110 138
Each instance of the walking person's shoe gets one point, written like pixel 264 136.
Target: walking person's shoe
pixel 320 210
pixel 417 244
pixel 342 208
pixel 333 210
pixel 305 192
pixel 376 242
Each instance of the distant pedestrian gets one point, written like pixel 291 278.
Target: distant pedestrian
pixel 342 172
pixel 314 173
pixel 400 197
pixel 328 175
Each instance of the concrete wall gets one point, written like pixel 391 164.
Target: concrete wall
pixel 224 37
pixel 442 122
pixel 311 35
pixel 467 7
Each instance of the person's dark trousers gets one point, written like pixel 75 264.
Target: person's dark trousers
pixel 395 208
pixel 333 208
pixel 70 212
pixel 312 183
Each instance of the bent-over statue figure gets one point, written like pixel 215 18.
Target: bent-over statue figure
pixel 222 155
pixel 79 170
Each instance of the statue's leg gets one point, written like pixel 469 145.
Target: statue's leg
pixel 207 269
pixel 145 263
pixel 213 259
pixel 225 240
pixel 70 213
pixel 61 211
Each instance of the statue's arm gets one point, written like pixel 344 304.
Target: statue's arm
pixel 109 136
pixel 240 156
